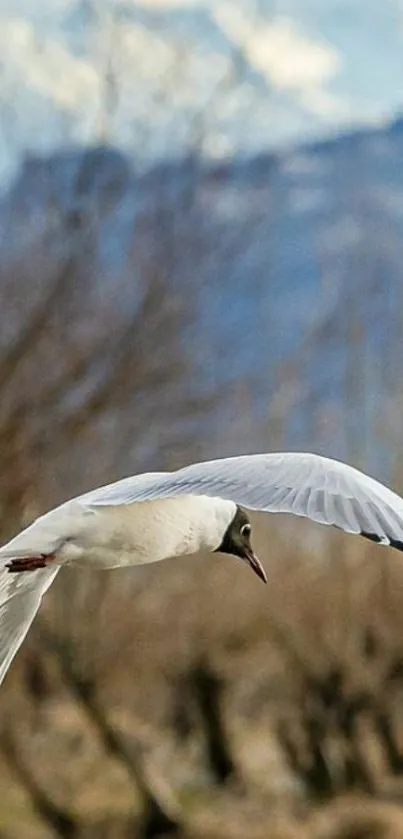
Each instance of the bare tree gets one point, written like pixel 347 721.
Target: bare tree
pixel 93 371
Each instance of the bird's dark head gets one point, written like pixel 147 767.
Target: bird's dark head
pixel 236 541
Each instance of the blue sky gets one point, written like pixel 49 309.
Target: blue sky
pixel 224 75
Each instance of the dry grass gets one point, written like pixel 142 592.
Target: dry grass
pixel 269 649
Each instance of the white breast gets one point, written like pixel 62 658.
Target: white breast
pixel 149 531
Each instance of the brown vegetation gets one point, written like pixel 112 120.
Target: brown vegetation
pixel 185 699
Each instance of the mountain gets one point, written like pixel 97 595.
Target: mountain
pixel 296 259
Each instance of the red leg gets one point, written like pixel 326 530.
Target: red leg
pixel 29 563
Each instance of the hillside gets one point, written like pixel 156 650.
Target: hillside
pixel 292 258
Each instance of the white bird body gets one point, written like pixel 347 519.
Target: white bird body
pixel 151 517
pixel 123 535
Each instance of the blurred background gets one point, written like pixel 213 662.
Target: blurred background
pixel 201 241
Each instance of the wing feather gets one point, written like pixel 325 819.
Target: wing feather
pixel 324 490
pixel 20 598
pixel 21 594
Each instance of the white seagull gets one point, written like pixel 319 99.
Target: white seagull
pixel 158 515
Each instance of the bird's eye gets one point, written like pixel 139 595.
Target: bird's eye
pixel 246 528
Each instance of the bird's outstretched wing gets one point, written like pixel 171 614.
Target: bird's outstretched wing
pixel 20 598
pixel 319 488
pixel 21 594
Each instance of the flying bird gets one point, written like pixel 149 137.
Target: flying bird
pixel 200 507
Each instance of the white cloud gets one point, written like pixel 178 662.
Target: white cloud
pixel 46 66
pixel 289 59
pixel 172 85
pixel 163 4
pixel 321 103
